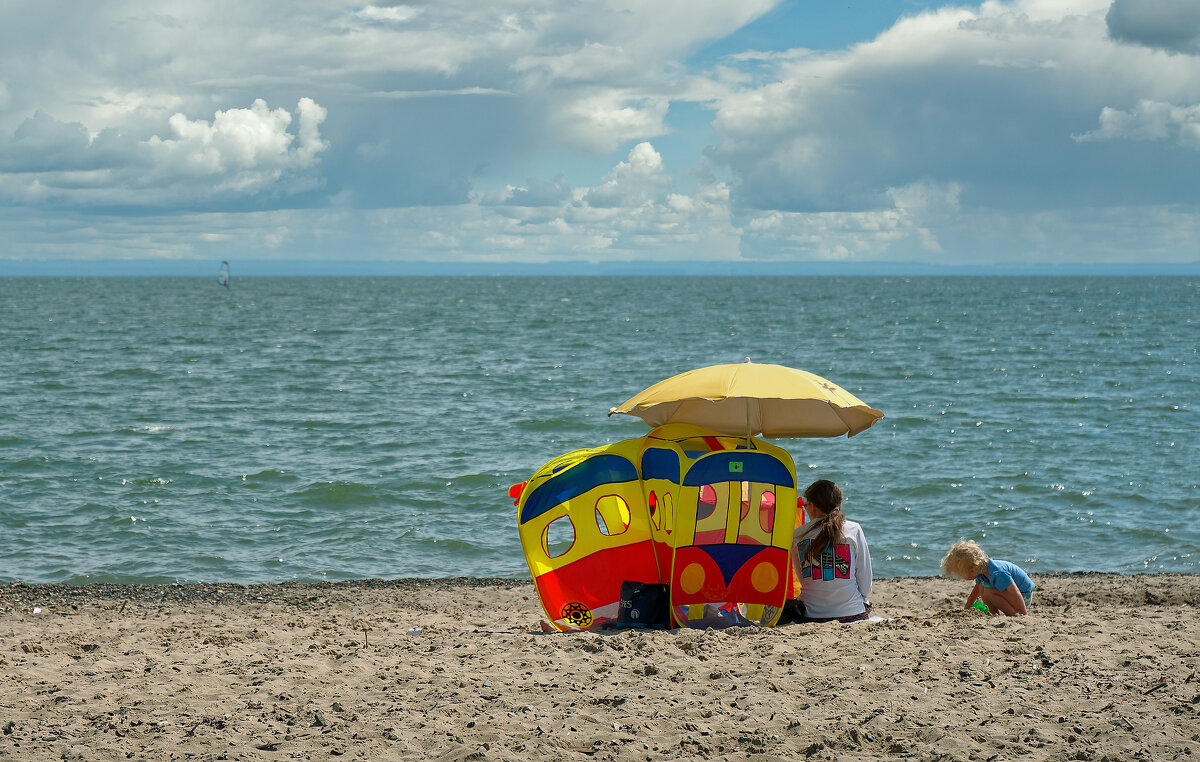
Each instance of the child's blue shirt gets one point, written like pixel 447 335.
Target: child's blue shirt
pixel 1001 574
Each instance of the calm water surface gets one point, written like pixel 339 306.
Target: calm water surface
pixel 160 429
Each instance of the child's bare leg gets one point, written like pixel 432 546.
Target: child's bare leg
pixel 1014 598
pixel 996 602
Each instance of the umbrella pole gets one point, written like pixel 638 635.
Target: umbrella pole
pixel 749 441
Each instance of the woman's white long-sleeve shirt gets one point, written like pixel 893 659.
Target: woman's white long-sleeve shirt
pixel 839 584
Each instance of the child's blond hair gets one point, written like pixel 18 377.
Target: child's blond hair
pixel 965 559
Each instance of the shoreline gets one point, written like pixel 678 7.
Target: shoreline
pixel 1108 665
pixel 291 591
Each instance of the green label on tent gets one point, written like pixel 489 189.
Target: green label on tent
pixel 735 467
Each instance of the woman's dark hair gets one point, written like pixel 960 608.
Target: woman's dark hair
pixel 827 497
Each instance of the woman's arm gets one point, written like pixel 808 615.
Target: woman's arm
pixel 863 574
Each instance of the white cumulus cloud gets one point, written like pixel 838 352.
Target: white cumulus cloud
pixel 635 213
pixel 637 180
pixel 600 120
pixel 242 151
pixel 1149 120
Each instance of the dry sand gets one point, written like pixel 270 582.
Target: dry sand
pixel 1105 669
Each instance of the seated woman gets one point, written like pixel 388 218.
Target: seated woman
pixel 832 559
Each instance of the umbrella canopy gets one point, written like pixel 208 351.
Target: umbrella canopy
pixel 753 398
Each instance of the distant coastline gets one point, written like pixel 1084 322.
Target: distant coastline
pixel 314 268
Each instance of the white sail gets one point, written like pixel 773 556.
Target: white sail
pixel 223 275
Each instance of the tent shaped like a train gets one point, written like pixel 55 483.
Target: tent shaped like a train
pixel 681 527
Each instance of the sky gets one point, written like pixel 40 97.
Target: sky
pixel 1007 132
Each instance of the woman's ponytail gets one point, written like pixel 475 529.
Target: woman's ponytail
pixel 827 497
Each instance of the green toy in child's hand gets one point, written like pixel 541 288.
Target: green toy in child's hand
pixel 980 605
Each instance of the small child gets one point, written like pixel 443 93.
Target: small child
pixel 1002 586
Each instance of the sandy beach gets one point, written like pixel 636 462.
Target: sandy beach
pixel 1105 669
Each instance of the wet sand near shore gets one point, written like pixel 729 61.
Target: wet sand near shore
pixel 1106 668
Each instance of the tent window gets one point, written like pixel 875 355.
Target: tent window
pixel 712 512
pixel 559 537
pixel 758 514
pixel 708 502
pixel 766 511
pixel 612 515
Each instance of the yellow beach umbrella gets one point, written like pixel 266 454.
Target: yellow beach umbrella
pixel 753 399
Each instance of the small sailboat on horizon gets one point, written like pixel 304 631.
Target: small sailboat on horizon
pixel 223 275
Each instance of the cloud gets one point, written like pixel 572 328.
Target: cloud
pixel 428 96
pixel 986 99
pixel 638 180
pixel 1172 25
pixel 921 222
pixel 634 213
pixel 534 193
pixel 44 144
pixel 526 129
pixel 1149 120
pixel 241 152
pixel 600 120
pixel 398 14
pixel 909 224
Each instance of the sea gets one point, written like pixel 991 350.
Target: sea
pixel 168 429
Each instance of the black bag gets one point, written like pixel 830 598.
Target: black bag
pixel 793 612
pixel 644 605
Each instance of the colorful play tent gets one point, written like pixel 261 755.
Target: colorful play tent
pixel 681 527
